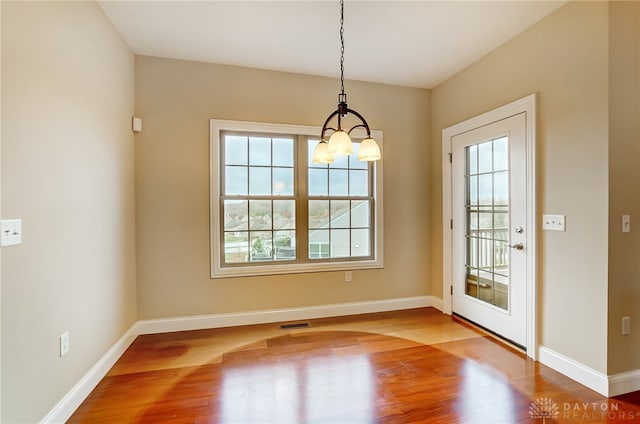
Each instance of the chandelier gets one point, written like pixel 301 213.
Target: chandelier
pixel 339 143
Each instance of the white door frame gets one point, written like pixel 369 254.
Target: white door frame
pixel 525 105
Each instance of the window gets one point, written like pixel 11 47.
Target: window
pixel 340 196
pixel 258 203
pixel 274 212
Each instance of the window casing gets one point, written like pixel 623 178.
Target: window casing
pixel 274 212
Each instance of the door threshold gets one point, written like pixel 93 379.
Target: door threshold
pixel 505 341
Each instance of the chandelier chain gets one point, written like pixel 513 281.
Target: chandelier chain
pixel 342 46
pixel 340 141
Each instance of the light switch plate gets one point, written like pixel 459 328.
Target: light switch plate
pixel 64 343
pixel 553 222
pixel 626 223
pixel 10 232
pixel 136 124
pixel 626 326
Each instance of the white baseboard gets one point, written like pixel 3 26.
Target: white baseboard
pixel 573 369
pixel 198 322
pixel 72 400
pixel 612 385
pixel 435 302
pixel 625 382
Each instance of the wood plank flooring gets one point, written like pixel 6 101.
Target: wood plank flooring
pixel 413 366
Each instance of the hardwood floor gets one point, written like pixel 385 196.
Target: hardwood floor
pixel 414 366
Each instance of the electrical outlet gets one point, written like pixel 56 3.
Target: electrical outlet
pixel 347 276
pixel 626 326
pixel 64 343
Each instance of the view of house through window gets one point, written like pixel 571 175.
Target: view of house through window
pixel 277 207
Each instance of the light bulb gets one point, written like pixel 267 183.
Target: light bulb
pixel 369 150
pixel 321 153
pixel 340 144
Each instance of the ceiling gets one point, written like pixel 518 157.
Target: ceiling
pixel 408 43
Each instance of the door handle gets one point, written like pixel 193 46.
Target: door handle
pixel 517 246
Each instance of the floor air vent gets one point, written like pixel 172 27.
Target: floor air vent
pixel 296 325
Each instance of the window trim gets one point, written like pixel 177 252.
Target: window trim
pixel 216 126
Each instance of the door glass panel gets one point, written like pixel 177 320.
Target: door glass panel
pixel 472 186
pixel 501 188
pixel 501 224
pixel 472 159
pixel 500 154
pixel 485 153
pixel 487 222
pixel 485 189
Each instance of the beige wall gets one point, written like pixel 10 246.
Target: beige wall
pixel 564 59
pixel 67 171
pixel 176 99
pixel 624 174
pixel 0 215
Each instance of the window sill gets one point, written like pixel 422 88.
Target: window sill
pixel 297 268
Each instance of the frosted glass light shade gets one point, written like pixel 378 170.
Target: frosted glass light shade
pixel 340 144
pixel 321 153
pixel 369 150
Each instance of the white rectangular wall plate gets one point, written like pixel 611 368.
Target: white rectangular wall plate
pixel 626 326
pixel 626 223
pixel 64 343
pixel 10 232
pixel 553 222
pixel 136 124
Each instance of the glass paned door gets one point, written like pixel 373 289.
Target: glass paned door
pixel 489 236
pixel 487 221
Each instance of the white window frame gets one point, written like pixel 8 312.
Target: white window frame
pixel 219 271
